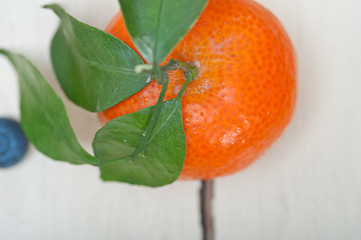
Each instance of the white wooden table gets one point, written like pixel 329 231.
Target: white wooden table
pixel 307 187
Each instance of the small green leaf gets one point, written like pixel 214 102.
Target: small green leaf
pixel 160 163
pixel 95 69
pixel 156 26
pixel 43 115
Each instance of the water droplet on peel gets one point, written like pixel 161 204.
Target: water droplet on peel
pixel 230 136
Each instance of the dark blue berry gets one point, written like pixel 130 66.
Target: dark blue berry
pixel 13 143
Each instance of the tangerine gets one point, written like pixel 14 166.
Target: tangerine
pixel 245 92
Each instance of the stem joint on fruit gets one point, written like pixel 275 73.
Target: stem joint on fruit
pixel 190 71
pixel 189 68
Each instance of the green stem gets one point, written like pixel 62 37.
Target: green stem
pixel 190 71
pixel 94 163
pixel 188 68
pixel 158 74
pixel 171 65
pixel 180 94
pixel 153 119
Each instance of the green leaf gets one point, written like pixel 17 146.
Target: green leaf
pixel 156 26
pixel 160 163
pixel 43 115
pixel 95 69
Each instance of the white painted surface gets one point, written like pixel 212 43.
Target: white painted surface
pixel 308 186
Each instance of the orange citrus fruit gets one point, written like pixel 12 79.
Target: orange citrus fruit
pixel 245 92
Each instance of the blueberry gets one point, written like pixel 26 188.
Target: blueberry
pixel 13 143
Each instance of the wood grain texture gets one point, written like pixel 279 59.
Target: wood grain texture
pixel 307 186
